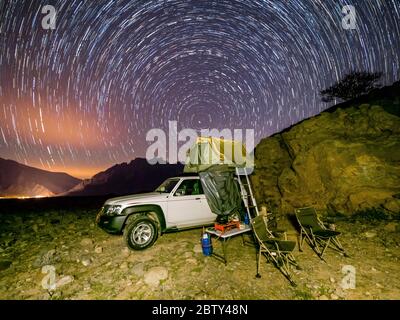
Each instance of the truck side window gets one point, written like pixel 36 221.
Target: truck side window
pixel 197 188
pixel 189 187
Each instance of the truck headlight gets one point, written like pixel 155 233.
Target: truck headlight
pixel 112 210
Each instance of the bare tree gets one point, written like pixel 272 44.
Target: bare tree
pixel 351 86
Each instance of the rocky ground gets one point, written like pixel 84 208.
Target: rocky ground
pixel 90 264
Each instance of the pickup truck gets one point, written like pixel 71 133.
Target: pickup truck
pixel 177 204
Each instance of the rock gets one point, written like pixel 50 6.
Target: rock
pixel 340 292
pixel 370 234
pixel 5 264
pixel 392 205
pixel 128 283
pixel 332 279
pixel 86 242
pixel 197 248
pixel 323 297
pixel 98 249
pixel 155 275
pixel 125 252
pixel 334 296
pixel 87 286
pixel 86 261
pixel 191 261
pixel 346 160
pixel 124 265
pixel 64 280
pixel 391 227
pixel 46 257
pixel 138 269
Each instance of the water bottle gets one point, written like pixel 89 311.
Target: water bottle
pixel 206 244
pixel 246 218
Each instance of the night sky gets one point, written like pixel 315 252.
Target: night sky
pixel 82 97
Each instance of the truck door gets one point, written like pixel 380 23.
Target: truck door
pixel 188 205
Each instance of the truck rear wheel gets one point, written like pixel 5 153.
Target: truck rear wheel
pixel 140 232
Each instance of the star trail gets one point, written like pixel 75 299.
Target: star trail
pixel 82 97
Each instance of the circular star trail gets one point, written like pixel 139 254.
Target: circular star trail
pixel 83 96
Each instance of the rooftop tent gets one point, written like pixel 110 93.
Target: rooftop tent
pixel 209 151
pixel 215 160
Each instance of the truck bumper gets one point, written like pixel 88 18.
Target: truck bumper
pixel 111 224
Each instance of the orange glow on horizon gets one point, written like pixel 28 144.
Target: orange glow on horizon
pixel 66 131
pixel 77 172
pixel 26 197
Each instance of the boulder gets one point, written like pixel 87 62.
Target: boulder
pixel 155 275
pixel 138 269
pixel 64 280
pixel 392 205
pixel 347 160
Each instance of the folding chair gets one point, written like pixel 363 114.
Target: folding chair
pixel 274 249
pixel 316 234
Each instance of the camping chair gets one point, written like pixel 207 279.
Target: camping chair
pixel 274 249
pixel 317 235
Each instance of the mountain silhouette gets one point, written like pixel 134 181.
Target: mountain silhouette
pixel 126 178
pixel 19 180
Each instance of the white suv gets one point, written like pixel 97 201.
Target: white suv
pixel 178 203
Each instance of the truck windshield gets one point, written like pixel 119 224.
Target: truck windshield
pixel 167 185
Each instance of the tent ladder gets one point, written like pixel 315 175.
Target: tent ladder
pixel 246 192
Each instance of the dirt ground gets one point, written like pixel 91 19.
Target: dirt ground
pixel 91 264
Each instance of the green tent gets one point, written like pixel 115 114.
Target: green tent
pixel 208 152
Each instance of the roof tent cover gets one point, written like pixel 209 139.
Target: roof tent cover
pixel 209 151
pixel 215 160
pixel 221 191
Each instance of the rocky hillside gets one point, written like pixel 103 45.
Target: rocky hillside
pixel 20 180
pixel 126 178
pixel 345 160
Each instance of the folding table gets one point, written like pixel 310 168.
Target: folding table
pixel 225 236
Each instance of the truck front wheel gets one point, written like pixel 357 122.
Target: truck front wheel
pixel 140 232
